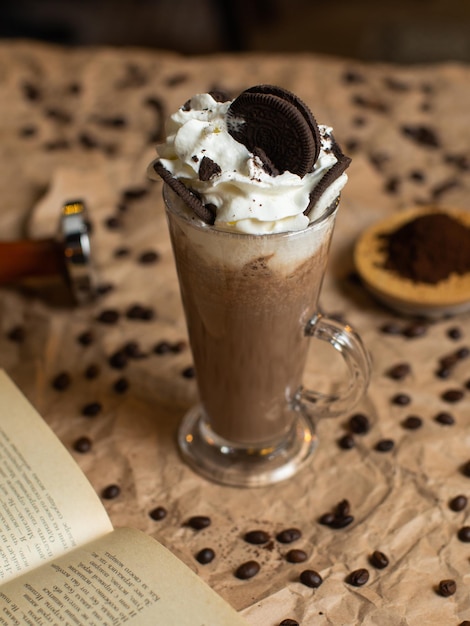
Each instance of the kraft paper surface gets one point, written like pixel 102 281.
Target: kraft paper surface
pixel 83 123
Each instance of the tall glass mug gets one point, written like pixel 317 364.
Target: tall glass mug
pixel 250 303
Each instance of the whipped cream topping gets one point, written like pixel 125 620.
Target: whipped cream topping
pixel 247 199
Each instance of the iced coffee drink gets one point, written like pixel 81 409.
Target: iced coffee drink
pixel 252 187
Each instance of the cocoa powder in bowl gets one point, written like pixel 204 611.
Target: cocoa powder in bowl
pixel 429 248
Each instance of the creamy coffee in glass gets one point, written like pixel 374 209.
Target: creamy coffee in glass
pixel 251 191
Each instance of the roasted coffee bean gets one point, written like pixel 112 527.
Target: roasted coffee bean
pixel 391 328
pixel 464 534
pixel 444 418
pixel 91 371
pixel 452 395
pixel 466 622
pixel 86 338
pixel 326 519
pixel 110 492
pixel 188 372
pixel 148 257
pixel 358 577
pixel 342 508
pixel 346 442
pixel 443 372
pixel 132 350
pixel 458 503
pixel 118 360
pixel 447 587
pixel 205 556
pixel 296 556
pixel 113 222
pixel 198 522
pixel 62 381
pixel 465 469
pixel 82 445
pixel 247 570
pixel 449 360
pixel 16 334
pixel 310 578
pixel 158 513
pixel 415 330
pixel 401 399
pixel 341 522
pixel 256 537
pixel 359 424
pixel 289 622
pixel 121 385
pixel 378 559
pixel 92 409
pixel 163 347
pixel 463 353
pixel 288 535
pixel 108 316
pixel 121 252
pixel 140 312
pixel 399 371
pixel 385 445
pixel 412 422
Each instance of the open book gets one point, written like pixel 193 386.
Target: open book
pixel 61 561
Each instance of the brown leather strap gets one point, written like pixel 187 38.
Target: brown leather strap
pixel 30 258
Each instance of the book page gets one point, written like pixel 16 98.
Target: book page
pixel 47 506
pixel 125 577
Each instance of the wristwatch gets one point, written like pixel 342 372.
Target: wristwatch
pixel 67 255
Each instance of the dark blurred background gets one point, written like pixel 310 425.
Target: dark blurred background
pixel 402 31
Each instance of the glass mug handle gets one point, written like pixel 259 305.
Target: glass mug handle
pixel 350 346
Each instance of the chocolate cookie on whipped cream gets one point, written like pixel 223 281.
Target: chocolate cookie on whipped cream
pixel 258 164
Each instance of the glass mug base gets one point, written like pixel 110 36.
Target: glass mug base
pixel 238 466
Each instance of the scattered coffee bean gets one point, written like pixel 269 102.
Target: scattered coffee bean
pixel 31 92
pixel 140 312
pixel 16 334
pixel 401 399
pixel 464 534
pixel 444 418
pixel 378 559
pixel 443 372
pixel 310 578
pixel 385 445
pixel 346 442
pixel 158 513
pixel 463 353
pixel 466 622
pixel 205 556
pixel 288 535
pixel 92 409
pixel 412 422
pixel 135 193
pixel 359 424
pixel 108 316
pixel 118 360
pixel 467 384
pixel 256 537
pixel 296 556
pixel 421 134
pixel 399 371
pixel 162 347
pixel 391 328
pixel 113 222
pixel 110 492
pixel 326 519
pixel 415 330
pixel 289 622
pixel 61 381
pixel 447 587
pixel 458 503
pixel 198 522
pixel 132 350
pixel 247 570
pixel 465 469
pixel 91 371
pixel 358 577
pixel 121 252
pixel 103 289
pixel 341 522
pixel 121 385
pixel 148 257
pixel 82 445
pixel 188 372
pixel 86 338
pixel 342 508
pixel 452 395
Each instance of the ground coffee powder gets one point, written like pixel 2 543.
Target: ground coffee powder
pixel 429 248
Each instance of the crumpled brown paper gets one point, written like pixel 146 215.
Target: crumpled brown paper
pixel 399 499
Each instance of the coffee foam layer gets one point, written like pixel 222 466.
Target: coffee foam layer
pixel 282 252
